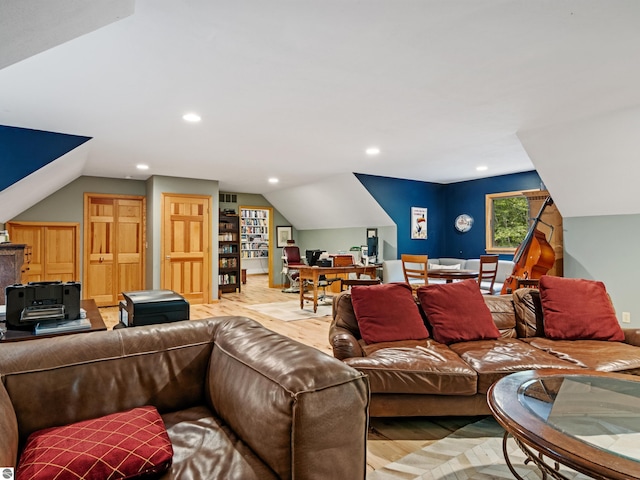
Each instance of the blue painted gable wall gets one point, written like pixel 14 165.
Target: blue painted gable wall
pixel 23 151
pixel 444 203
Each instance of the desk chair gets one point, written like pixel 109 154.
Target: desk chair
pixel 488 272
pixel 414 268
pixel 323 283
pixel 291 259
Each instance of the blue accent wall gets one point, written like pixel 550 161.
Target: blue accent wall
pixel 444 202
pixel 396 196
pixel 23 151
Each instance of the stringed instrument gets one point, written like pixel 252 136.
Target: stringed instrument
pixel 534 256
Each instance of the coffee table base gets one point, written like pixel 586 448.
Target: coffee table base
pixel 535 457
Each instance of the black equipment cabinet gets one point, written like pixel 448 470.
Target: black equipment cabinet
pixel 146 307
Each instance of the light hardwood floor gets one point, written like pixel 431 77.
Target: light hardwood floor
pixel 389 438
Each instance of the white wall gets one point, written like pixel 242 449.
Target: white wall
pixel 605 248
pixel 342 239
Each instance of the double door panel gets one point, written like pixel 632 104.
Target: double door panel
pixel 114 246
pixel 53 253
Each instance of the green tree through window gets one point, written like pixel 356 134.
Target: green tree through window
pixel 507 221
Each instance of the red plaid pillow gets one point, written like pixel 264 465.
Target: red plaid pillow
pixel 117 446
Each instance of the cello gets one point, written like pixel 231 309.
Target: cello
pixel 534 257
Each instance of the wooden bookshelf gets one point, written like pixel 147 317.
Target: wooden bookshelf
pixel 228 253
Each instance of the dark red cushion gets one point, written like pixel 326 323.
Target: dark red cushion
pixel 578 309
pixel 457 312
pixel 121 445
pixel 387 313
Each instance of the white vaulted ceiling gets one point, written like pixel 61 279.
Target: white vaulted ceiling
pixel 298 89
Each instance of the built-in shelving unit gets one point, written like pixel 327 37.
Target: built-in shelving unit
pixel 228 253
pixel 254 244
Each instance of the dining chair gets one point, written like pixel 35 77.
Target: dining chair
pixel 488 272
pixel 414 268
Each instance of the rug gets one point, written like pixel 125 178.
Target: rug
pixel 472 452
pixel 289 311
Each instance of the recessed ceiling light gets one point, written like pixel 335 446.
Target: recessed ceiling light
pixel 191 117
pixel 482 168
pixel 273 180
pixel 372 151
pixel 142 166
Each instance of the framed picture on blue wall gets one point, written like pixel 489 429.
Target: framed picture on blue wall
pixel 418 223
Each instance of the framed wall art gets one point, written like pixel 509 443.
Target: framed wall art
pixel 418 223
pixel 282 235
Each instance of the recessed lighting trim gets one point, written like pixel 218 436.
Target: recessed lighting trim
pixel 372 151
pixel 482 168
pixel 142 166
pixel 273 180
pixel 191 117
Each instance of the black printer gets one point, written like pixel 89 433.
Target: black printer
pixel 40 302
pixel 146 307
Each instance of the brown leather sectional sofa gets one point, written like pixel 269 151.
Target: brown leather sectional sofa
pixel 238 401
pixel 427 378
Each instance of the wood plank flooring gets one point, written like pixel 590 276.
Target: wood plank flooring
pixel 389 438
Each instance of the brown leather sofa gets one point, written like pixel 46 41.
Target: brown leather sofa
pixel 427 378
pixel 238 401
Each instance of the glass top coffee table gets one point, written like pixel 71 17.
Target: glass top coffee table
pixel 588 421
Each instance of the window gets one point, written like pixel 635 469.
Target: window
pixel 507 221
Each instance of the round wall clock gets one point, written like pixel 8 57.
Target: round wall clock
pixel 463 222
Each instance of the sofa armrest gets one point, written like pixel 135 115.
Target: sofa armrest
pixel 8 431
pixel 343 343
pixel 632 336
pixel 303 412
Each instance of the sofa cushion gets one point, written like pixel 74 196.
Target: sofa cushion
pixel 387 312
pixel 437 266
pixel 121 445
pixel 592 354
pixel 578 309
pixel 205 447
pixel 415 367
pixel 494 359
pixel 457 312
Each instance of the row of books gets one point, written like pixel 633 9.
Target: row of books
pixel 227 279
pixel 254 221
pixel 255 253
pixel 254 213
pixel 228 262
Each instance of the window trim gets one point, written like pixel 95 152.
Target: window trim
pixel 489 198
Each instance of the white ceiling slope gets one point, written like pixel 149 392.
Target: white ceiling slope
pixel 339 201
pixel 592 165
pixel 39 185
pixel 298 90
pixel 33 26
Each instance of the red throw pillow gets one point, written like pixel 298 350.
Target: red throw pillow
pixel 121 445
pixel 578 309
pixel 387 312
pixel 457 312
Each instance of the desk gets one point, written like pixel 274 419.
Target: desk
pixel 571 417
pixel 451 275
pixel 93 314
pixel 312 274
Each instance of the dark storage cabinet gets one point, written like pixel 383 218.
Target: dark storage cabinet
pixel 146 307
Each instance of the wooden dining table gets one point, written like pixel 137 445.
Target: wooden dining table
pixel 449 275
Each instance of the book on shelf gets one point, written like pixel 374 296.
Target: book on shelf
pixel 59 326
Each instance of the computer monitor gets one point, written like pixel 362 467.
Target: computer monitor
pixel 312 257
pixel 372 247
